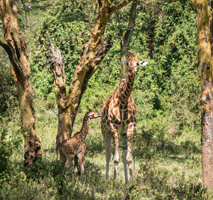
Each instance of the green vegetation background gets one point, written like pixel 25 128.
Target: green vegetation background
pixel 167 144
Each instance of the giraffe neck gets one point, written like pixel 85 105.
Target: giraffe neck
pixel 126 89
pixel 85 127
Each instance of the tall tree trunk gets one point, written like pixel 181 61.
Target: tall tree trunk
pixel 92 54
pixel 126 38
pixel 20 72
pixel 205 60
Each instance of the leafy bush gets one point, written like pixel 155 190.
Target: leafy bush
pixel 7 146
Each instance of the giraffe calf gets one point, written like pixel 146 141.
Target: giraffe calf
pixel 74 147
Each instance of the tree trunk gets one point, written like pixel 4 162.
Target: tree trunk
pixel 20 72
pixel 92 54
pixel 126 38
pixel 205 67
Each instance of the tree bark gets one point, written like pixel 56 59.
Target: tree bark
pixel 93 52
pixel 20 72
pixel 205 60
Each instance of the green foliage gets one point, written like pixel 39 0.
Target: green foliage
pixel 5 151
pixel 8 143
pixel 175 42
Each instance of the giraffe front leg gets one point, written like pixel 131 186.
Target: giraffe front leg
pixel 116 149
pixel 81 161
pixel 130 135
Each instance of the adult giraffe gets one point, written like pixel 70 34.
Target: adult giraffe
pixel 119 118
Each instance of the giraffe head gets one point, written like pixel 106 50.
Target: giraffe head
pixel 92 114
pixel 133 63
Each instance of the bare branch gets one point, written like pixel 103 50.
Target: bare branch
pixel 57 62
pixel 55 56
pixel 51 47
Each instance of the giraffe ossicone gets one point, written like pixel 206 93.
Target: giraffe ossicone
pixel 119 118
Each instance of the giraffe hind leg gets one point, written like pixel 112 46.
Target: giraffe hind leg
pixel 129 153
pixel 81 161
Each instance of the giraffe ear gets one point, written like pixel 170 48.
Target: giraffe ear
pixel 143 63
pixel 130 55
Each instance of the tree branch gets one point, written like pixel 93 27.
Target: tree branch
pixel 125 40
pixel 101 53
pixel 6 47
pixel 117 19
pixel 57 62
pixel 128 34
pixel 14 60
pixel 119 5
